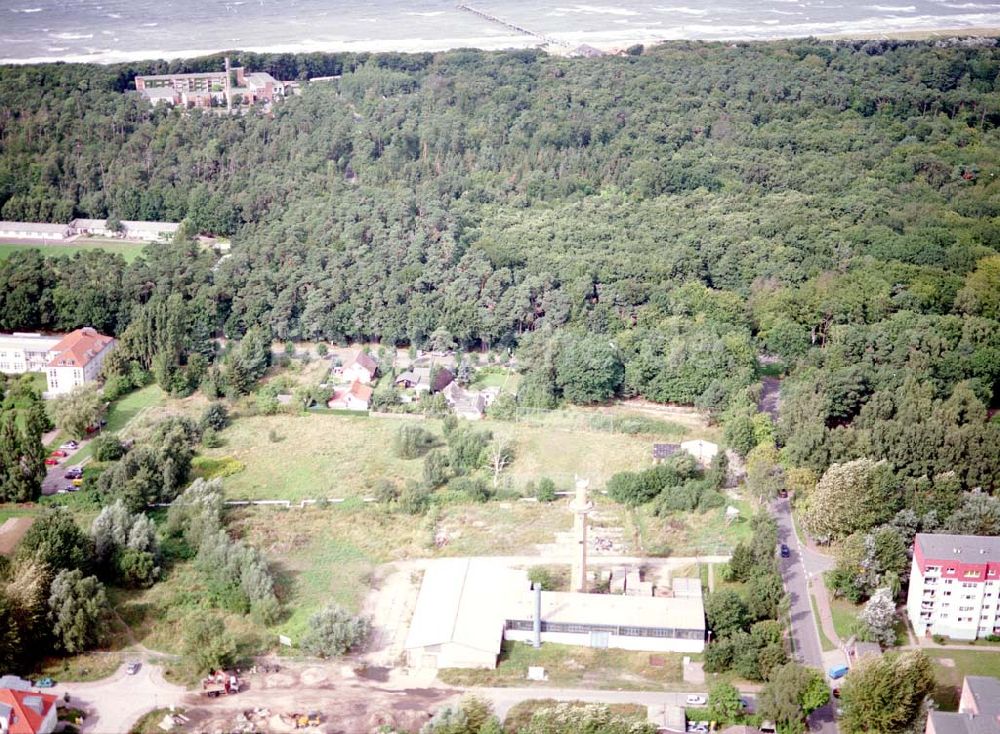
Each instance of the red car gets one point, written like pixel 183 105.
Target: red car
pixel 52 461
pixel 60 453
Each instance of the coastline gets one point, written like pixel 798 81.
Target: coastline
pixel 497 43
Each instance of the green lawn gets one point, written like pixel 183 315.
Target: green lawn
pixel 824 641
pixel 845 616
pixel 123 411
pixel 951 666
pixel 128 250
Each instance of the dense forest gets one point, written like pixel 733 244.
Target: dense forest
pixel 637 225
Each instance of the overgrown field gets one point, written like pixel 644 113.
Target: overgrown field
pixel 305 456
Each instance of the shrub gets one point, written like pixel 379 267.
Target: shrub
pixel 546 491
pixel 412 441
pixel 207 643
pixel 541 576
pixel 334 631
pixel 940 639
pixel 107 447
pixel 322 349
pixel 216 417
pixel 475 488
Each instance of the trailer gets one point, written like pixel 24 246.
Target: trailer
pixel 220 683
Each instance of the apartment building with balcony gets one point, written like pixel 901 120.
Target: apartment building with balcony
pixel 955 586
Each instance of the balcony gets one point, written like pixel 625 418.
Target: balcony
pixel 930 580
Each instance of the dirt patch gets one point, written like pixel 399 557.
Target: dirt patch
pixel 946 662
pixel 312 677
pixel 12 531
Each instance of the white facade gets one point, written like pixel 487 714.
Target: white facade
pixel 34 231
pixel 79 357
pixel 23 352
pixel 955 586
pixel 641 623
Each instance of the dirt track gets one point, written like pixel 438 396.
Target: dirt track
pixel 12 531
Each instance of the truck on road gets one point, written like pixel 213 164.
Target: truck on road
pixel 220 683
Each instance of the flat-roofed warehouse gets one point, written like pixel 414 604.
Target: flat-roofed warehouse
pixel 467 607
pixel 650 623
pixel 459 618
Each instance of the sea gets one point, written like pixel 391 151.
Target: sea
pixel 106 31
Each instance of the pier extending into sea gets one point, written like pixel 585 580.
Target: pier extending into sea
pixel 542 38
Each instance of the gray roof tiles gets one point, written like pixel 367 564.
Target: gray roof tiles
pixel 968 548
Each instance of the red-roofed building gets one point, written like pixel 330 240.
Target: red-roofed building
pixel 78 359
pixel 356 397
pixel 361 367
pixel 27 712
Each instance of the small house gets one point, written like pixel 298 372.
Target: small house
pixel 362 368
pixel 23 710
pixel 356 397
pixel 416 378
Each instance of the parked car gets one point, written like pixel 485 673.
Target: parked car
pixel 78 482
pixel 72 488
pixel 836 693
pixel 60 453
pixel 783 493
pixel 837 672
pixel 44 683
pixel 74 473
pixel 51 461
pixel 785 553
pixel 133 667
pixel 695 700
pixel 70 446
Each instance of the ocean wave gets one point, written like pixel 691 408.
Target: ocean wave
pixel 72 36
pixel 894 8
pixel 427 13
pixel 597 10
pixel 682 9
pixel 114 15
pixel 149 25
pixel 26 10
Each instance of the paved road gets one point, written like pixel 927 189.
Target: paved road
pixel 115 703
pixel 805 636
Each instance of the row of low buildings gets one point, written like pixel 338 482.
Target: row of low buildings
pixel 68 361
pixel 48 232
pixel 213 88
pixel 466 608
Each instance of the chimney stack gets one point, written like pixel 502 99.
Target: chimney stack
pixel 537 642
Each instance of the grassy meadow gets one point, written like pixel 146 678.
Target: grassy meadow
pixel 128 250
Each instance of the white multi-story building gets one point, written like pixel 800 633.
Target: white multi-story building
pixel 955 586
pixel 23 352
pixel 78 359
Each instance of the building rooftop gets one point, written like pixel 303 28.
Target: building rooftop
pixel 968 548
pixel 24 710
pixel 612 609
pixel 33 227
pixel 77 348
pixel 364 360
pixel 950 723
pixel 986 693
pixel 361 391
pixel 28 342
pixel 665 450
pixel 458 604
